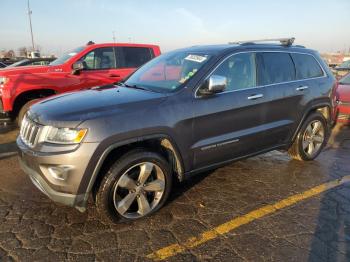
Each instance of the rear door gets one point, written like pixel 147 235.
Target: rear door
pixel 129 58
pixel 229 124
pixel 310 78
pixel 276 72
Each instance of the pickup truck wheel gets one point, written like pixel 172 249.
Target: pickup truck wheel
pixel 23 111
pixel 311 139
pixel 137 185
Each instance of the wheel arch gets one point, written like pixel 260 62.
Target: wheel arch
pixel 26 96
pixel 159 143
pixel 324 108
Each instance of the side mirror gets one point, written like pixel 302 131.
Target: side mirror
pixel 77 67
pixel 215 84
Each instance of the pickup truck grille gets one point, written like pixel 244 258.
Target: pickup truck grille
pixel 29 132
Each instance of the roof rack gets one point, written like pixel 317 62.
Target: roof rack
pixel 283 41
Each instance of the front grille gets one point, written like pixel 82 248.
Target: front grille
pixel 29 132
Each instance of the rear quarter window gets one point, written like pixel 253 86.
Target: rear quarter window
pixel 275 67
pixel 306 66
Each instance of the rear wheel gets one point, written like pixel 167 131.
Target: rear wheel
pixel 311 139
pixel 136 186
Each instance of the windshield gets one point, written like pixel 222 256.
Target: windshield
pixel 345 80
pixel 65 57
pixel 168 72
pixel 345 64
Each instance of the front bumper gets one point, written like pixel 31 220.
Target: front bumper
pixel 39 166
pixel 63 198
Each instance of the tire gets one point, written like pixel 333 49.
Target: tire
pixel 23 111
pixel 116 187
pixel 301 149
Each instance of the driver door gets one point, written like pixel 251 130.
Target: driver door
pixel 228 125
pixel 99 68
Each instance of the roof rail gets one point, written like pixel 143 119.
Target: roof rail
pixel 283 41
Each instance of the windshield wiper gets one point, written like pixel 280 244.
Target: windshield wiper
pixel 132 86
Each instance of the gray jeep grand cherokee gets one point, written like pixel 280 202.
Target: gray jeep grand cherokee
pixel 182 113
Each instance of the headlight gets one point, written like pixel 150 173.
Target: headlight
pixel 65 135
pixel 3 80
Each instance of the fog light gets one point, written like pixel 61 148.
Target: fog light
pixel 60 172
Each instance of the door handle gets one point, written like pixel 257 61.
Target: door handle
pixel 113 75
pixel 253 97
pixel 301 88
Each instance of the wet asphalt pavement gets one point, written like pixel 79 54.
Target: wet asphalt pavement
pixel 32 227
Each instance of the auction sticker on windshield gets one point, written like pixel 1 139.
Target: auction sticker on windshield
pixel 196 58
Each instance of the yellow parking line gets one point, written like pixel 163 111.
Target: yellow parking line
pixel 192 242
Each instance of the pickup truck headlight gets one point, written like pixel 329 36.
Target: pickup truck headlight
pixel 65 135
pixel 3 80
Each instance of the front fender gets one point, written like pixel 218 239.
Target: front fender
pixel 103 150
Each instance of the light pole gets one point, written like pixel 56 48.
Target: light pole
pixel 30 23
pixel 115 55
pixel 113 36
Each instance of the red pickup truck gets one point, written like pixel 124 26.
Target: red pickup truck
pixel 84 67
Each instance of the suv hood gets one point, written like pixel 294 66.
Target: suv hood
pixel 28 70
pixel 70 109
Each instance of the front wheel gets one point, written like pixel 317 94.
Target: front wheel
pixel 311 138
pixel 137 185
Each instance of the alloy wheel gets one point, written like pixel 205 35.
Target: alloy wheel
pixel 139 190
pixel 313 138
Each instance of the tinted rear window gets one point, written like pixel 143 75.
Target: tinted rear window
pixel 306 66
pixel 133 57
pixel 275 67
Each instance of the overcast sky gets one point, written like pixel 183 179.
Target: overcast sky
pixel 59 25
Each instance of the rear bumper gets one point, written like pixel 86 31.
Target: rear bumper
pixel 343 115
pixel 343 118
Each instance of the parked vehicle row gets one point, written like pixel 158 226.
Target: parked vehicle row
pixel 84 67
pixel 42 61
pixel 342 69
pixel 181 113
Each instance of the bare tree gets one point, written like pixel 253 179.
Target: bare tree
pixel 22 51
pixel 10 54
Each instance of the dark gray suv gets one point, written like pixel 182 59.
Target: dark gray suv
pixel 182 113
